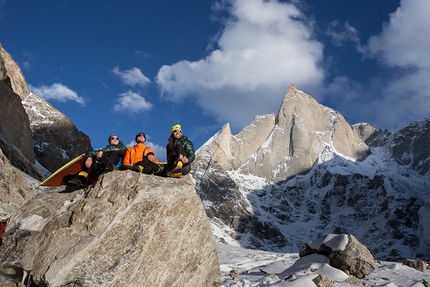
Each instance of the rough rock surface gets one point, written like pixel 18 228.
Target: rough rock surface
pixel 49 136
pixel 419 265
pixel 128 230
pixel 411 146
pixel 354 258
pixel 14 190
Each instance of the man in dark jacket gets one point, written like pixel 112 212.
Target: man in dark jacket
pixel 100 160
pixel 180 153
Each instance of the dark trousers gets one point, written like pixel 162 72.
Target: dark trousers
pixel 171 161
pixel 148 166
pixel 101 163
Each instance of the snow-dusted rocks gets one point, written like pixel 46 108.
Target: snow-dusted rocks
pixel 411 146
pixel 419 265
pixel 345 252
pixel 127 230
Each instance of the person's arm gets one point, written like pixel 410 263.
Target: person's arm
pixel 149 153
pixel 92 153
pixel 189 151
pixel 127 157
pixel 111 148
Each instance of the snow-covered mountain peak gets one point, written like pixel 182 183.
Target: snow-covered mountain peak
pixel 306 173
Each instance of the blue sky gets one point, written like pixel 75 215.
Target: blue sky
pixel 129 66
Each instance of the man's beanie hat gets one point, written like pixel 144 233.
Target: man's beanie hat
pixel 138 134
pixel 112 135
pixel 176 128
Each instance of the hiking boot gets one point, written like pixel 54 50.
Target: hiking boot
pixel 160 169
pixel 76 181
pixel 176 175
pixel 110 166
pixel 176 169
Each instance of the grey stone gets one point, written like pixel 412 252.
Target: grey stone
pixel 354 259
pixel 419 265
pixel 323 281
pixel 129 229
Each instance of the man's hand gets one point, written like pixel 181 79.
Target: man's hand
pixel 152 158
pixel 89 162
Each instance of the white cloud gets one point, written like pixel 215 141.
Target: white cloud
pixel 132 103
pixel 404 40
pixel 58 92
pixel 132 77
pixel 341 34
pixel 264 47
pixel 404 44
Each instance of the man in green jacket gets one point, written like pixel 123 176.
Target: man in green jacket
pixel 180 153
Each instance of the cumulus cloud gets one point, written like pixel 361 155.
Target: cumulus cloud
pixel 58 92
pixel 132 77
pixel 403 44
pixel 264 47
pixel 132 103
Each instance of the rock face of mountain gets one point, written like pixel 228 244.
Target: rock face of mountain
pixel 282 147
pixel 129 229
pixel 307 173
pixel 15 132
pixel 55 139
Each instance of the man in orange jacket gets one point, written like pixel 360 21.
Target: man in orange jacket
pixel 140 157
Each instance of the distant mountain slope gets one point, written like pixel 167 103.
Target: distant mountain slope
pixel 55 138
pixel 287 180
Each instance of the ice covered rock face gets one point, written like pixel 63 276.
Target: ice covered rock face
pixel 52 138
pixel 306 171
pixel 411 146
pixel 128 230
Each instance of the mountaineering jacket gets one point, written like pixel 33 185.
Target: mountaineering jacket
pixel 120 148
pixel 188 147
pixel 136 154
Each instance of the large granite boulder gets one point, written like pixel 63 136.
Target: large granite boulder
pixel 345 253
pixel 129 229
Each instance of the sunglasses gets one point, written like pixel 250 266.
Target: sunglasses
pixel 112 138
pixel 177 131
pixel 140 135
